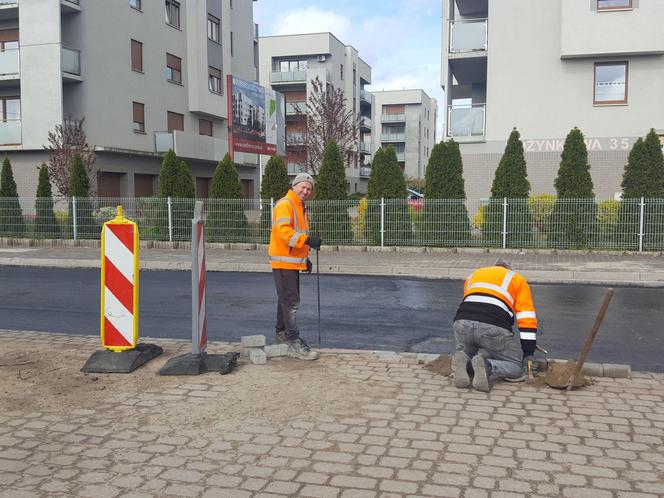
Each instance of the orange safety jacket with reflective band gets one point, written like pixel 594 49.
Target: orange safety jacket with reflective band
pixel 290 229
pixel 497 295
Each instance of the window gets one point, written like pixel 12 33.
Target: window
pixel 214 80
pixel 613 4
pixel 213 28
pixel 173 13
pixel 136 4
pixel 205 127
pixel 139 117
pixel 341 71
pixel 286 66
pixel 136 55
pixel 231 44
pixel 610 83
pixel 173 69
pixel 10 116
pixel 175 121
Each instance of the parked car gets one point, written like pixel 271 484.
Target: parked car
pixel 415 200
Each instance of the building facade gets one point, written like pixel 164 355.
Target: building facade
pixel 289 63
pixel 406 119
pixel 144 75
pixel 546 67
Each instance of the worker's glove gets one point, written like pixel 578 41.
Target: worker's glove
pixel 313 242
pixel 528 347
pixel 310 266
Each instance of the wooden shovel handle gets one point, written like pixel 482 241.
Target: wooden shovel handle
pixel 591 336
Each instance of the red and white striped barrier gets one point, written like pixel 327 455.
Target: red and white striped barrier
pixel 119 284
pixel 198 315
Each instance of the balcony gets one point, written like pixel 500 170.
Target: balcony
pixel 10 132
pixel 9 64
pixel 365 123
pixel 294 168
pixel 393 137
pixel 296 108
pixel 401 156
pixel 468 35
pixel 365 97
pixel 191 145
pixel 163 141
pixel 279 77
pixel 8 9
pixel 365 172
pixel 71 64
pixel 364 148
pixel 70 6
pixel 466 121
pixel 392 118
pixel 295 139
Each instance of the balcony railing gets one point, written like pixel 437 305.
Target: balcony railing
pixel 365 172
pixel 288 76
pixel 9 64
pixel 392 117
pixel 466 121
pixel 468 35
pixel 294 168
pixel 365 122
pixel 401 156
pixel 163 141
pixel 365 147
pixel 292 108
pixel 393 137
pixel 294 138
pixel 10 132
pixel 365 96
pixel 71 61
pixel 8 2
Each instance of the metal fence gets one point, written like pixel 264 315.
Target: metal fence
pixel 631 224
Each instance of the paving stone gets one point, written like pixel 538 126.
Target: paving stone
pixel 252 341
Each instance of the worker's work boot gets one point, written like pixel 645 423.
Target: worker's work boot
pixel 301 350
pixel 460 366
pixel 482 373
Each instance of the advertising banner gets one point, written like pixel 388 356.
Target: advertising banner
pixel 254 117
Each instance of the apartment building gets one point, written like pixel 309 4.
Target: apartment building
pixel 546 67
pixel 289 63
pixel 145 75
pixel 407 120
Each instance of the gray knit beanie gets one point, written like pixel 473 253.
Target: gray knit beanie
pixel 303 177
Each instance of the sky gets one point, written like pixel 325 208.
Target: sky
pixel 399 39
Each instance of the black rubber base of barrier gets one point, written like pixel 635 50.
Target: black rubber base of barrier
pixel 106 361
pixel 196 364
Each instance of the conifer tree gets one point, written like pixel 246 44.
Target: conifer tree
pixel 643 177
pixel 175 181
pixel 79 187
pixel 11 214
pixel 444 220
pixel 510 182
pixel 274 186
pixel 329 217
pixel 387 182
pixel 46 224
pixel 572 223
pixel 226 219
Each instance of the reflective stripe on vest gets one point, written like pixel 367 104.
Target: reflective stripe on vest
pixel 526 314
pixel 294 212
pixel 282 220
pixel 474 298
pixel 293 239
pixel 528 336
pixel 287 259
pixel 500 289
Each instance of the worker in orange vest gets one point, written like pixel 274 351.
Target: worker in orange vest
pixel 493 298
pixel 289 254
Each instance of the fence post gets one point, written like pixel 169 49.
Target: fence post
pixel 170 220
pixel 271 210
pixel 73 215
pixel 641 223
pixel 504 222
pixel 382 221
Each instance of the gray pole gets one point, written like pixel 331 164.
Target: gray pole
pixel 73 211
pixel 170 220
pixel 641 223
pixel 382 221
pixel 504 222
pixel 197 259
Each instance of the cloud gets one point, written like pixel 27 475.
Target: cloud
pixel 313 20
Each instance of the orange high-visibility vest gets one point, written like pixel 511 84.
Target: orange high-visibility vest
pixel 498 295
pixel 290 229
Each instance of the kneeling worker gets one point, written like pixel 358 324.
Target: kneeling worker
pixel 289 250
pixel 493 297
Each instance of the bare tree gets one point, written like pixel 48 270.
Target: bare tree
pixel 326 119
pixel 64 143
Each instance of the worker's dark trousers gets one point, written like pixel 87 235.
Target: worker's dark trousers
pixel 287 283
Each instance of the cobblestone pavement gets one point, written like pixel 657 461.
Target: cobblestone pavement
pixel 348 425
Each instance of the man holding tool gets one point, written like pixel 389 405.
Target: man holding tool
pixel 493 297
pixel 289 254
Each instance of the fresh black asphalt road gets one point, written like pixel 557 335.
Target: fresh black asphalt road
pixel 359 312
